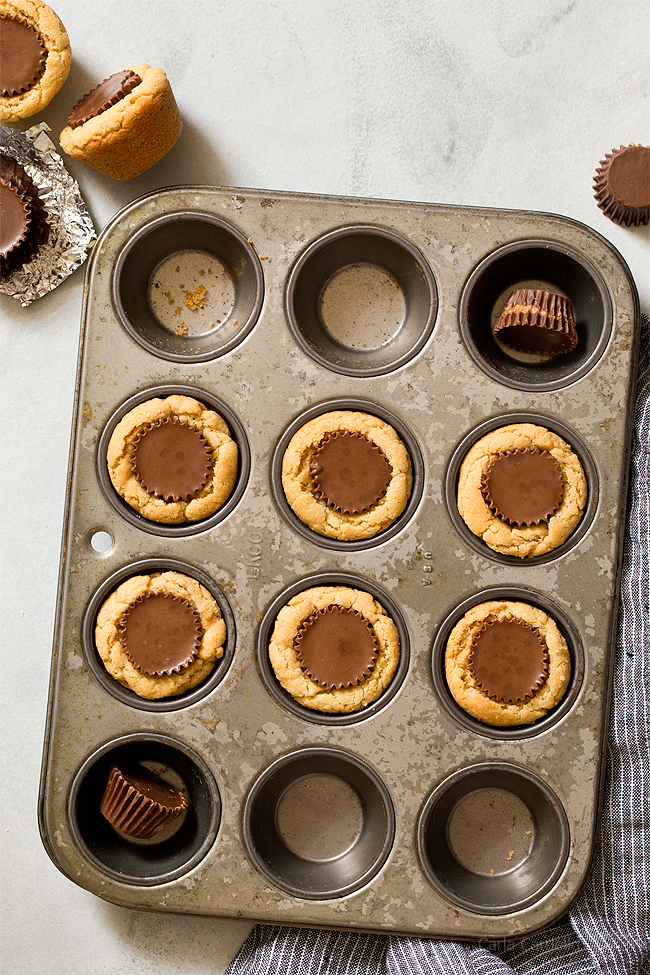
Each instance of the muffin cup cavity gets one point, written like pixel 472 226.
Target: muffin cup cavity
pixel 124 694
pixel 319 823
pixel 567 629
pixel 580 450
pixel 173 851
pixel 538 265
pixel 361 301
pixel 271 682
pixel 182 529
pixel 417 470
pixel 188 287
pixel 493 838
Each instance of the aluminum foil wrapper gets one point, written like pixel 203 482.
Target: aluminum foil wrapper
pixel 72 233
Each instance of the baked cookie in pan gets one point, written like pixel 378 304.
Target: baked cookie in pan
pixel 522 489
pixel 334 649
pixel 173 460
pixel 160 634
pixel 126 124
pixel 35 60
pixel 347 475
pixel 507 663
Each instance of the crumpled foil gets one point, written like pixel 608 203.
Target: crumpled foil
pixel 72 233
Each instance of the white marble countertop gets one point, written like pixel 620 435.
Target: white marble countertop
pixel 504 104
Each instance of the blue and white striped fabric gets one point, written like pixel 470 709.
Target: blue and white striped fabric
pixel 607 931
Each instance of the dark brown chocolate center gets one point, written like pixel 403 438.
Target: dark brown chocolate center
pixel 111 91
pixel 14 218
pixel 336 647
pixel 523 487
pixel 509 660
pixel 171 459
pixel 628 177
pixel 349 472
pixel 160 633
pixel 23 56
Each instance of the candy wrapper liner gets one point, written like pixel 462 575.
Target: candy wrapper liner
pixel 71 229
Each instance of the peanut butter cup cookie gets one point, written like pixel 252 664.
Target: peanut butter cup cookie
pixel 172 460
pixel 35 57
pixel 507 663
pixel 334 649
pixel 522 489
pixel 160 634
pixel 124 125
pixel 347 475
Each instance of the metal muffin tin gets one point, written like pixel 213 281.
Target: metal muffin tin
pixel 410 816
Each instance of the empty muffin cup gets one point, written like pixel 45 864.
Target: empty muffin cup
pixel 219 618
pixel 361 301
pixel 319 823
pixel 493 838
pixel 170 852
pixel 535 265
pixel 188 287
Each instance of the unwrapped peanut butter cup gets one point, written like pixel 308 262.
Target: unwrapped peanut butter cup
pixel 537 321
pixel 523 487
pixel 349 472
pixel 23 56
pixel 111 91
pixel 14 225
pixel 508 660
pixel 160 633
pixel 171 459
pixel 336 647
pixel 622 185
pixel 139 803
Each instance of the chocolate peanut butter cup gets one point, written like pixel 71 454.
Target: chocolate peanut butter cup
pixel 16 249
pixel 139 803
pixel 15 221
pixel 349 472
pixel 111 91
pixel 171 459
pixel 537 321
pixel 336 647
pixel 23 56
pixel 622 185
pixel 509 660
pixel 523 487
pixel 160 633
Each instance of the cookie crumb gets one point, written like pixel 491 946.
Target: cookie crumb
pixel 181 329
pixel 196 299
pixel 511 854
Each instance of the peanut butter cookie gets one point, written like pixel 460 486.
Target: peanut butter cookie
pixel 334 649
pixel 36 57
pixel 522 489
pixel 507 663
pixel 172 460
pixel 347 475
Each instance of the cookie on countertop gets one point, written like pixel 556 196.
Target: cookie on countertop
pixel 184 634
pixel 126 124
pixel 334 649
pixel 347 475
pixel 35 60
pixel 138 463
pixel 522 489
pixel 507 663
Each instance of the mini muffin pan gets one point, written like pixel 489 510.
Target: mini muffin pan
pixel 409 816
